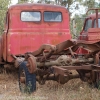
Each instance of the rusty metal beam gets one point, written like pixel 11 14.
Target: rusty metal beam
pixel 61 71
pixel 66 68
pixel 45 47
pixel 84 67
pixel 64 45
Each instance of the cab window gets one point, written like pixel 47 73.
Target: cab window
pixel 88 24
pixel 30 16
pixel 52 16
pixel 98 23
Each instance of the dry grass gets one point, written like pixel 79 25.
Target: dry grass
pixel 73 90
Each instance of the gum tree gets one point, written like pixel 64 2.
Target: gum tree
pixel 4 4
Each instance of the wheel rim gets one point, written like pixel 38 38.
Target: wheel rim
pixel 31 64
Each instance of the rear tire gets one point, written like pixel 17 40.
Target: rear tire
pixel 29 84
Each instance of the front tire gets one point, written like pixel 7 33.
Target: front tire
pixel 27 81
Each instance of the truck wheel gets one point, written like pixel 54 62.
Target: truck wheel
pixel 27 81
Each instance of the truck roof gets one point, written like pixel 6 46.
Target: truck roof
pixel 27 6
pixel 94 15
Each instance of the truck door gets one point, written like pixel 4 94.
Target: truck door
pixel 24 32
pixel 4 37
pixel 56 27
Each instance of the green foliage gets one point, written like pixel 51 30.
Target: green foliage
pixel 3 9
pixel 79 23
pixel 44 1
pixel 25 1
pixel 32 1
pixel 22 1
pixel 66 3
pixel 90 3
pixel 77 27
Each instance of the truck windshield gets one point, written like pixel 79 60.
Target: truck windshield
pixel 30 16
pixel 88 24
pixel 98 23
pixel 52 16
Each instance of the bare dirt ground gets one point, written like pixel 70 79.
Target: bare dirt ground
pixel 73 90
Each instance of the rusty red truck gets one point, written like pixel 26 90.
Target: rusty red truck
pixel 37 41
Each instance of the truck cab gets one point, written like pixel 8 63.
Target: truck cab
pixel 28 26
pixel 91 28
